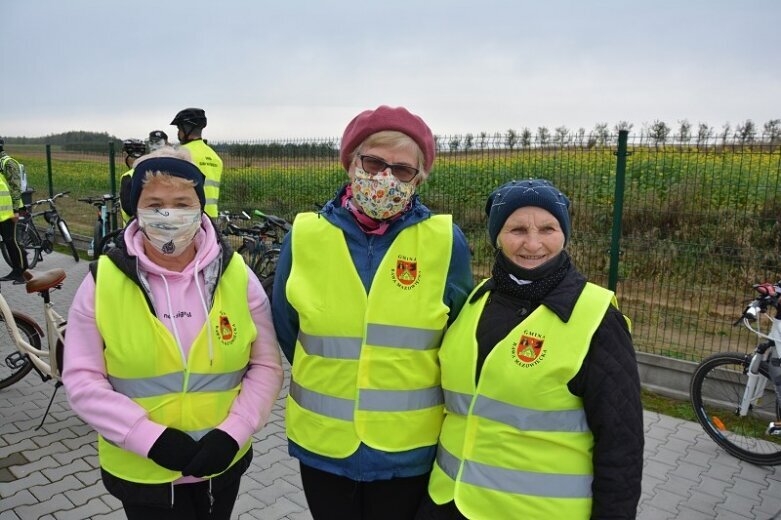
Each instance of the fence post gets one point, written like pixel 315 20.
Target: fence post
pixel 112 181
pixel 49 169
pixel 618 209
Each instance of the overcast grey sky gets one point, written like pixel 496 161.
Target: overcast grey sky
pixel 304 68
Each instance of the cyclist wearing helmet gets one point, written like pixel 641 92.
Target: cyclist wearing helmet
pixel 190 122
pixel 157 140
pixel 133 148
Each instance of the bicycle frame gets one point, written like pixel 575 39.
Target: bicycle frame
pixel 756 384
pixel 55 326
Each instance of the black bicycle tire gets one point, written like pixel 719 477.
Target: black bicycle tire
pixel 268 286
pixel 703 370
pixel 97 237
pixel 29 330
pixel 105 242
pixel 68 238
pixel 28 236
pixel 266 264
pixel 249 256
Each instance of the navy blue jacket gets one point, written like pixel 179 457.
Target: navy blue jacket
pixel 367 252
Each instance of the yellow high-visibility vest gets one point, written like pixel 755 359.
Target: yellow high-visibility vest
pixel 365 366
pixel 210 165
pixel 517 444
pixel 144 363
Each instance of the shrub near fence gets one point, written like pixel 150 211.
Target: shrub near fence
pixel 700 224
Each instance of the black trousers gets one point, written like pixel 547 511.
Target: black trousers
pixel 332 497
pixel 15 253
pixel 191 502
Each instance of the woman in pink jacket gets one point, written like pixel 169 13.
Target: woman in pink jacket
pixel 170 353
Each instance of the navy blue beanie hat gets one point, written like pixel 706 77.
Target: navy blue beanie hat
pixel 517 194
pixel 170 165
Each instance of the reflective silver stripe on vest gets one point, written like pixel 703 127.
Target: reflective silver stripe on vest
pixel 322 404
pixel 399 400
pixel 210 182
pixel 148 386
pixel 447 462
pixel 528 419
pixel 5 192
pixel 211 201
pixel 456 402
pixel 555 485
pixel 403 337
pixel 330 346
pixel 215 382
pixel 6 208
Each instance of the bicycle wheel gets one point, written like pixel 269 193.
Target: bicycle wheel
pixel 97 236
pixel 266 264
pixel 716 391
pixel 13 365
pixel 66 236
pixel 108 242
pixel 268 286
pixel 30 241
pixel 250 251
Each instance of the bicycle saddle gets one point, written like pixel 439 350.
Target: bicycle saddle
pixel 43 280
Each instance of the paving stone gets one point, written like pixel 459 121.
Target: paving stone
pixel 270 494
pixel 685 513
pixel 114 515
pixel 677 486
pixel 17 447
pixel 45 440
pixel 32 467
pixel 268 476
pixel 275 511
pixel 81 494
pixel 11 488
pixel 34 512
pixel 657 469
pixel 88 477
pixel 51 449
pixel 712 486
pixel 80 441
pixel 740 506
pixel 303 515
pixel 246 503
pixel 653 513
pixel 60 471
pixel 746 488
pixel 667 501
pixel 22 498
pixel 45 492
pixel 8 515
pixel 71 455
pixel 111 501
pixel 703 502
pixel 14 459
pixel 88 510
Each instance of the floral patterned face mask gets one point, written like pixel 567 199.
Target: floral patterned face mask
pixel 381 196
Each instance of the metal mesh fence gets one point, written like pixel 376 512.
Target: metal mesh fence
pixel 700 219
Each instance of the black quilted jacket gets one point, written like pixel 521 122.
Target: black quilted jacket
pixel 608 382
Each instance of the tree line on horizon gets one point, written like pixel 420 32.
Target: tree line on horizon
pixel 657 133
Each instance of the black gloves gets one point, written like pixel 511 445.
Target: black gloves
pixel 215 452
pixel 173 450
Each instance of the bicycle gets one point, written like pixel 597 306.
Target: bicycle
pixel 22 335
pixel 733 394
pixel 261 245
pixel 107 216
pixel 29 237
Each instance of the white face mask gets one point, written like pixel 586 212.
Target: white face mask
pixel 169 231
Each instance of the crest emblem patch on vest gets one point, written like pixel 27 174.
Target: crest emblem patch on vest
pixel 528 352
pixel 406 274
pixel 226 330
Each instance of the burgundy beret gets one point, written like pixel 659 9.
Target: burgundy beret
pixel 388 118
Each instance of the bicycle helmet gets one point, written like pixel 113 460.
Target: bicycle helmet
pixel 195 117
pixel 134 147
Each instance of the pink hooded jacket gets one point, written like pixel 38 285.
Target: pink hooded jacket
pixel 177 298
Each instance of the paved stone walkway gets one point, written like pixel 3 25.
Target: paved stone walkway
pixel 52 473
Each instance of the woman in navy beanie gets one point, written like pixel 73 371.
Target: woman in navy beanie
pixel 543 417
pixel 363 292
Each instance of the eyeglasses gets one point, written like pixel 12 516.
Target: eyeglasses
pixel 374 165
